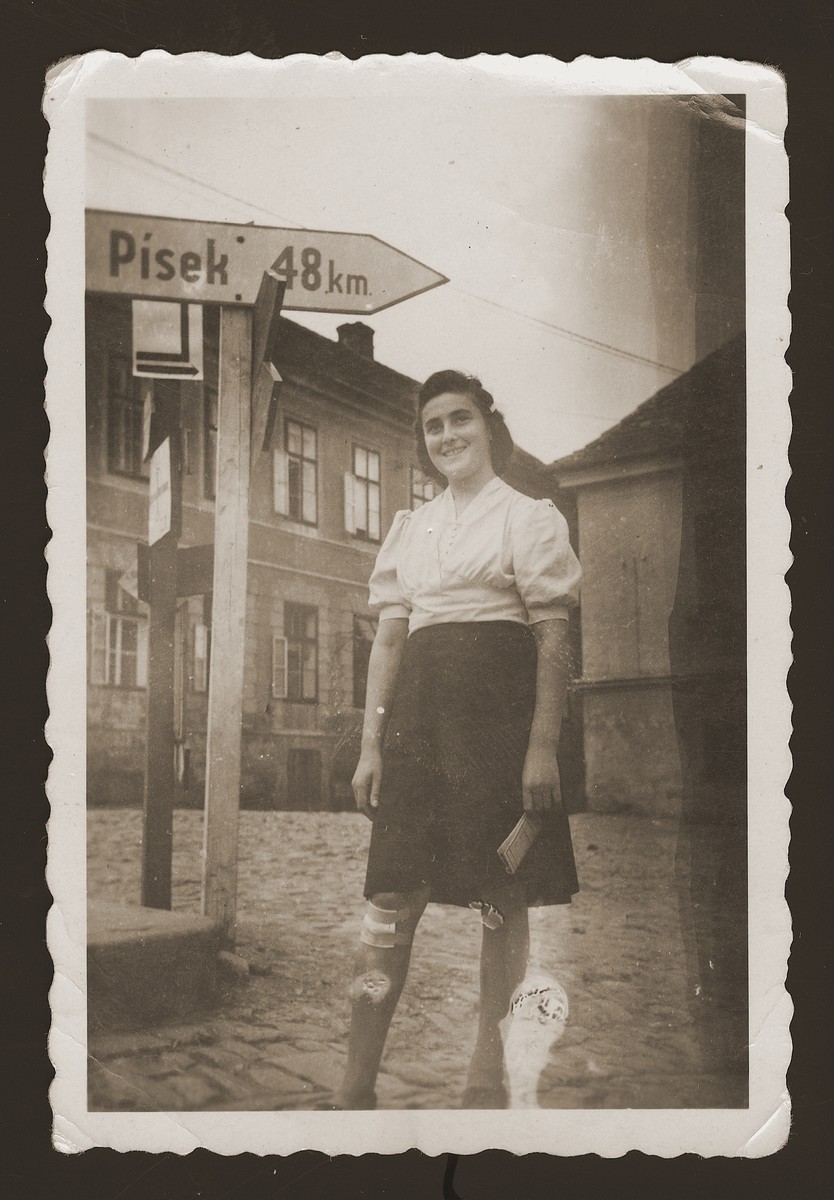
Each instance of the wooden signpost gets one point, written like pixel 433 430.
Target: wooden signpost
pixel 231 542
pixel 161 594
pixel 242 414
pixel 186 263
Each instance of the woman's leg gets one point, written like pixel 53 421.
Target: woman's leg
pixel 379 979
pixel 504 953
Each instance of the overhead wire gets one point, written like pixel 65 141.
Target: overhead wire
pixel 560 330
pixel 593 343
pixel 97 137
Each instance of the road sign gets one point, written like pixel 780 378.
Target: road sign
pixel 265 375
pixel 167 339
pixel 194 567
pixel 171 266
pixel 221 263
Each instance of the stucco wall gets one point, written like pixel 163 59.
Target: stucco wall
pixel 629 544
pixel 631 752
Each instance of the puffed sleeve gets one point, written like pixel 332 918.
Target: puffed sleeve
pixel 386 596
pixel 545 567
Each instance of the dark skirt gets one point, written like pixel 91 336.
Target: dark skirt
pixel 452 762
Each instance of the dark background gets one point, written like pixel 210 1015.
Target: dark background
pixel 797 38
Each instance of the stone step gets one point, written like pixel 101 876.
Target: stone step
pixel 146 965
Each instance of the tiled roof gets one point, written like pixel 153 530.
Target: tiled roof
pixel 656 427
pixel 302 354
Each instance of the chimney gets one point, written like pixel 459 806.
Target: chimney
pixel 357 337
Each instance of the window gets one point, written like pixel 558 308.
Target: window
pixel 295 473
pixel 301 632
pixel 422 488
pixel 364 631
pixel 362 504
pixel 128 410
pixel 200 651
pixel 118 639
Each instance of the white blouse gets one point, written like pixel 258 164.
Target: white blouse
pixel 506 558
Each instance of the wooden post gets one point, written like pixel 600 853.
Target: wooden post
pixel 160 767
pixel 225 701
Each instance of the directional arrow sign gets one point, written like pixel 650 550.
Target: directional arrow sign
pixel 167 340
pixel 170 259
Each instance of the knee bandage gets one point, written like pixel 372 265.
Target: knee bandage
pixel 382 927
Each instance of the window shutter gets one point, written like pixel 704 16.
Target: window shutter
pixel 279 668
pixel 281 492
pixel 350 503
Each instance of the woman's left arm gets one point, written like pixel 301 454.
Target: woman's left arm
pixel 540 778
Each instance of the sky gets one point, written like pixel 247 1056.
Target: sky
pixel 532 206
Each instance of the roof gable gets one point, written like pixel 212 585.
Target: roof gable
pixel 656 428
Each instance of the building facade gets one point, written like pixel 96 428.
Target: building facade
pixel 628 488
pixel 340 463
pixel 628 516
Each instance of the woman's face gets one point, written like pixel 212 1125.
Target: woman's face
pixel 457 438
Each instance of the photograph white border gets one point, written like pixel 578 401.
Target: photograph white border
pixel 761 1128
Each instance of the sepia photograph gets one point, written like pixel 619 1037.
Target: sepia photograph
pixel 416 476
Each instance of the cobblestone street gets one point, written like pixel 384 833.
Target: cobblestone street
pixel 278 1040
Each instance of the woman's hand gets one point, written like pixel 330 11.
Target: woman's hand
pixel 540 778
pixel 384 665
pixel 367 780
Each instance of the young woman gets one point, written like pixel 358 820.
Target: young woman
pixel 466 687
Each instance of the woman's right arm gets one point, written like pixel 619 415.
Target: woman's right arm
pixel 383 668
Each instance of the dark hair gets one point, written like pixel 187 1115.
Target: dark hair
pixel 460 384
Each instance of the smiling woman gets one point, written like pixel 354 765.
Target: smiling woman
pixel 455 412
pixel 465 692
pixel 457 439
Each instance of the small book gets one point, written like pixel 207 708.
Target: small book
pixel 514 847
